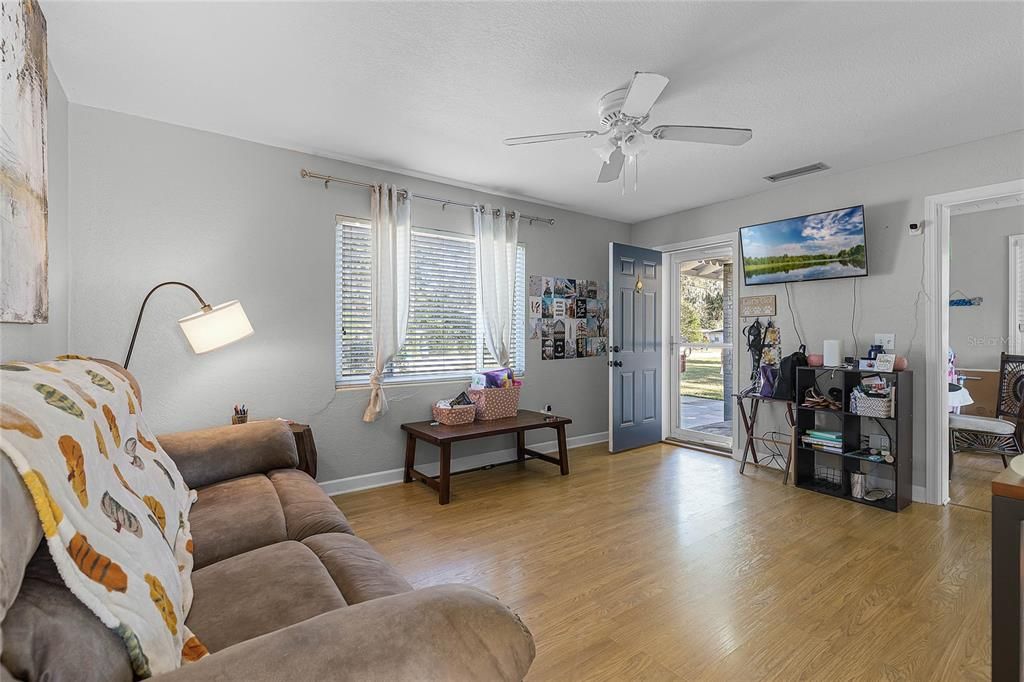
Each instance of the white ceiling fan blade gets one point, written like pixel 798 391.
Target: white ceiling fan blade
pixel 611 170
pixel 705 134
pixel 644 91
pixel 551 137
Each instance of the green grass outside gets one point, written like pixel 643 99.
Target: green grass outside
pixel 703 375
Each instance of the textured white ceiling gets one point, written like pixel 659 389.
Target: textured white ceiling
pixel 434 87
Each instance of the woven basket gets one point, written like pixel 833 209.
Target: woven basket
pixel 495 403
pixel 874 407
pixel 455 415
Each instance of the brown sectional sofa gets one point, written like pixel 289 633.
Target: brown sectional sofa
pixel 283 587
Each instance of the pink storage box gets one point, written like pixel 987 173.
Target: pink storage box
pixel 495 403
pixel 455 415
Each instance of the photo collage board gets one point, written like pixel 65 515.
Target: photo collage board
pixel 569 316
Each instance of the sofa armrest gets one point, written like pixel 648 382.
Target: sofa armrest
pixel 210 455
pixel 449 632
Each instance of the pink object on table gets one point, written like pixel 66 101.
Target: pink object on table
pixel 815 360
pixel 495 403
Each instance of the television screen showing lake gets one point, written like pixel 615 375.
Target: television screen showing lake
pixel 811 247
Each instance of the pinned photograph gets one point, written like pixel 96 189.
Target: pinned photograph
pixel 536 286
pixel 558 339
pixel 581 346
pixel 548 288
pixel 547 307
pixel 581 308
pixel 536 307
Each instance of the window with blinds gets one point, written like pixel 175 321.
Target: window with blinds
pixel 445 336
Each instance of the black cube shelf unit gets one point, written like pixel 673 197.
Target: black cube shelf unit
pixel 898 475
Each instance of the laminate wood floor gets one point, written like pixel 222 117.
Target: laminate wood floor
pixel 664 563
pixel 971 483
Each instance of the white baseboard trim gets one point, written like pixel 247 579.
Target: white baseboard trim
pixel 351 484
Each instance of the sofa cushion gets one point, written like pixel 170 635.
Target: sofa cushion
pixel 49 633
pixel 973 422
pixel 258 592
pixel 235 516
pixel 223 452
pixel 20 533
pixel 307 509
pixel 357 569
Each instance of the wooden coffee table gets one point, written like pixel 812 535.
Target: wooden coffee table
pixel 443 437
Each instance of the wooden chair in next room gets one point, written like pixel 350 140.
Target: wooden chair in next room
pixel 993 434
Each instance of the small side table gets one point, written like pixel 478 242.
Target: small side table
pixel 750 426
pixel 306 447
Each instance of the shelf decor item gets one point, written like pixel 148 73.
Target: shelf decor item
pixel 833 353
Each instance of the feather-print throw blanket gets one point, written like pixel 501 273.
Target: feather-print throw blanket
pixel 113 506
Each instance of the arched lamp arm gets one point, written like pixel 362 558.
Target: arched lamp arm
pixel 142 308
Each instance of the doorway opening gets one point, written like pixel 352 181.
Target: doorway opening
pixel 938 213
pixel 703 379
pixel 986 319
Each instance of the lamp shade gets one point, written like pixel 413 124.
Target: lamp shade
pixel 212 328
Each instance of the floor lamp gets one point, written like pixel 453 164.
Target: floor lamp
pixel 211 328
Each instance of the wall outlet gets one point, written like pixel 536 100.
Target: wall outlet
pixel 878 441
pixel 886 341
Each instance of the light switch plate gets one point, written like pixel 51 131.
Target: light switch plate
pixel 886 341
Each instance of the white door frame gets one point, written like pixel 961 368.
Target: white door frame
pixel 667 398
pixel 936 292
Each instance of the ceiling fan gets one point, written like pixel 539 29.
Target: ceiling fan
pixel 623 112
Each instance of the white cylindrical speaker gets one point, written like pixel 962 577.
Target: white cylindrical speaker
pixel 833 352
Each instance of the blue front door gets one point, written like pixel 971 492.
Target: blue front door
pixel 634 353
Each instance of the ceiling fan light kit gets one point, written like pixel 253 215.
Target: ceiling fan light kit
pixel 623 112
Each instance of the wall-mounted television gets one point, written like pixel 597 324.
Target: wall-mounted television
pixel 827 245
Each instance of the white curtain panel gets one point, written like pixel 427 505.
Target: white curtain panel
pixel 496 238
pixel 389 289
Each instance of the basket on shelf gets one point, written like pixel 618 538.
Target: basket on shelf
pixel 495 403
pixel 454 415
pixel 869 406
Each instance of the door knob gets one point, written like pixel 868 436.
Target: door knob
pixel 617 363
pixel 615 349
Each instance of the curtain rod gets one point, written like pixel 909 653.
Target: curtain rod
pixel 328 179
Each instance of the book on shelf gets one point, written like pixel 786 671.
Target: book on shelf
pixel 834 448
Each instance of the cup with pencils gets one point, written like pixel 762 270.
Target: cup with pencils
pixel 241 415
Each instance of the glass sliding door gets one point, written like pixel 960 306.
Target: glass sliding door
pixel 702 344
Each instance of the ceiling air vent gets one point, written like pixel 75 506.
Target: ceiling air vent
pixel 796 172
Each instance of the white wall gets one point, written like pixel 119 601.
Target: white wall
pixel 152 202
pixel 979 334
pixel 45 341
pixel 893 194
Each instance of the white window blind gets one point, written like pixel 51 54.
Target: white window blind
pixel 1016 344
pixel 445 338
